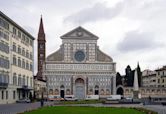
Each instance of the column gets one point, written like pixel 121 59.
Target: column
pixel 114 84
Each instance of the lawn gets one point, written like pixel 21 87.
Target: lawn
pixel 83 110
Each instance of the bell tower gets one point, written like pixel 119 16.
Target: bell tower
pixel 41 49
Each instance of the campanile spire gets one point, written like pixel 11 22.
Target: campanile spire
pixel 41 49
pixel 41 33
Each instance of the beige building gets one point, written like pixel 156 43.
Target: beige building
pixel 161 76
pixel 40 88
pixel 155 78
pixel 145 92
pixel 149 78
pixel 153 84
pixel 16 61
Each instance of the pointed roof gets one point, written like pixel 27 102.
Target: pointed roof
pixel 79 33
pixel 138 67
pixel 41 34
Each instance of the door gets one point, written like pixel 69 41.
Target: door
pixel 79 89
pixel 62 93
pixel 80 92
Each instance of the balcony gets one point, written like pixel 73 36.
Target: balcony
pixel 25 87
pixel 3 85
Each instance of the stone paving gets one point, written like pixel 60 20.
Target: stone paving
pixel 157 108
pixel 20 107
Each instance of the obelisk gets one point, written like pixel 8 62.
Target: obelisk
pixel 135 85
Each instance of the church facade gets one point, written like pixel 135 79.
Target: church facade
pixel 79 68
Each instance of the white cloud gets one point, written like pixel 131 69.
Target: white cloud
pixel 99 11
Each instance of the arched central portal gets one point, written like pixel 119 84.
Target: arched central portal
pixel 79 88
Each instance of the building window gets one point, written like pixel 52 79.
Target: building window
pixel 14 30
pixel 27 40
pixel 31 42
pixel 2 95
pixel 23 80
pixel 6 36
pixel 19 49
pixel 30 66
pixel 19 80
pixel 27 54
pixel 6 78
pixel 14 94
pixel 27 80
pixel 23 63
pixel 14 60
pixel 23 52
pixel 1 34
pixel 4 63
pixel 14 47
pixel 6 94
pixel 27 65
pixel 1 78
pixel 31 82
pixel 19 62
pixel 4 24
pixel 7 64
pixel 19 34
pixel 23 37
pixel 31 55
pixel 4 47
pixel 14 79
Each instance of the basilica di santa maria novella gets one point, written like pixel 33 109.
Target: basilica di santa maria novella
pixel 79 68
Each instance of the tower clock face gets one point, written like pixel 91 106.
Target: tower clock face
pixel 79 55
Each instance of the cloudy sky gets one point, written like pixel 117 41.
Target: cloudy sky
pixel 130 31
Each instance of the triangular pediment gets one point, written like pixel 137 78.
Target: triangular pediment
pixel 79 33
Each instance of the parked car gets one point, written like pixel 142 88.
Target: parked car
pixel 92 97
pixel 114 97
pixel 70 98
pixel 128 98
pixel 23 101
pixel 55 98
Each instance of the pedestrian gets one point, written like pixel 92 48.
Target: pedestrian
pixel 41 102
pixel 150 98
